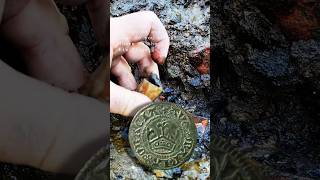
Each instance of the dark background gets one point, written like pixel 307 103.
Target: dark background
pixel 266 82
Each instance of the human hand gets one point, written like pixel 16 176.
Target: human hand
pixel 43 126
pixel 127 34
pixel 49 52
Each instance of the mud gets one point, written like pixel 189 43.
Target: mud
pixel 265 95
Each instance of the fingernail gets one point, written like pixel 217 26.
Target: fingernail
pixel 155 79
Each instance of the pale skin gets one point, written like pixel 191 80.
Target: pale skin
pixel 43 125
pixel 126 36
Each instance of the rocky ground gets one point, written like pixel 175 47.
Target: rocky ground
pixel 81 33
pixel 265 87
pixel 185 75
pixel 186 81
pixel 266 74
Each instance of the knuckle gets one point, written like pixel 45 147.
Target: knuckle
pixel 151 14
pixel 145 48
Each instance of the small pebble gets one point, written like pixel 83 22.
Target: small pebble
pixel 162 98
pixel 196 81
pixel 168 90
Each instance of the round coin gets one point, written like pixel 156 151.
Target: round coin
pixel 162 135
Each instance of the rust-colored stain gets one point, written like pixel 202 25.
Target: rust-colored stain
pixel 201 59
pixel 301 22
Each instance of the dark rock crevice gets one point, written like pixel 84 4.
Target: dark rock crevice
pixel 266 82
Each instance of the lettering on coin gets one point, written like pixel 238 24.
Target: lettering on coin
pixel 162 135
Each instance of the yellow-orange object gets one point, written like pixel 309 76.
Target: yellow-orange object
pixel 149 89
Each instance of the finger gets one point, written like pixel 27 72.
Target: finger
pixel 139 26
pixel 99 15
pixel 72 2
pixel 26 139
pixel 121 69
pixel 124 101
pixel 49 52
pixel 140 53
pixel 121 47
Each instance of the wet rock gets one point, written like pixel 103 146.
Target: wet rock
pixel 200 60
pixel 233 165
pixel 266 83
pixel 205 78
pixel 174 71
pixel 17 172
pixel 195 81
pixel 250 23
pixel 302 22
pixel 95 167
pixel 306 55
pixel 122 166
pixel 187 26
pixel 168 90
pixel 82 35
pixel 272 64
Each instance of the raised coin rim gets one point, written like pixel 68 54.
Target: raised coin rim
pixel 194 129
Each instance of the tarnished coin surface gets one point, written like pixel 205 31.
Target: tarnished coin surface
pixel 162 135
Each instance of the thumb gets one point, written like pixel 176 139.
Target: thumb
pixel 124 101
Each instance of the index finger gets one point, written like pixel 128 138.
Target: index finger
pixel 144 25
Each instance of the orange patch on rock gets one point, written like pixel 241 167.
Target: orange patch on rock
pixel 301 22
pixel 201 59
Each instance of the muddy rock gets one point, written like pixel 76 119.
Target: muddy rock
pixel 306 56
pixel 266 82
pixel 185 75
pixel 187 66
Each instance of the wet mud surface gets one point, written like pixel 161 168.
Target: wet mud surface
pixel 265 86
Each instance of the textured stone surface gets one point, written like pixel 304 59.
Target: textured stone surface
pixel 187 26
pixel 266 82
pixel 185 75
